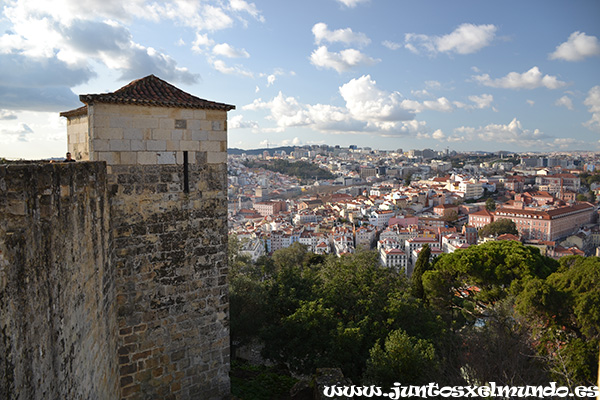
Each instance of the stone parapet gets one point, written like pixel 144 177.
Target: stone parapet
pixel 58 327
pixel 171 264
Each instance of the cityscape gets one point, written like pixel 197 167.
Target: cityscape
pixel 238 200
pixel 397 201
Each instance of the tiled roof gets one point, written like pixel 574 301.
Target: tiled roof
pixel 149 91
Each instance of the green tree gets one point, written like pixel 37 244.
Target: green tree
pixel 402 359
pixel 464 284
pixel 421 265
pixel 500 349
pixel 564 314
pixel 499 227
pixel 490 204
pixel 329 314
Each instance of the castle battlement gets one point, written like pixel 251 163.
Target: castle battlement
pixel 161 156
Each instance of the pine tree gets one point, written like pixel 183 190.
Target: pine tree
pixel 421 266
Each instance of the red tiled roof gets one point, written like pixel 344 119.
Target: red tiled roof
pixel 148 91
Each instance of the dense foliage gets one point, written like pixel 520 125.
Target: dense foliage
pixel 495 312
pixel 302 169
pixel 499 227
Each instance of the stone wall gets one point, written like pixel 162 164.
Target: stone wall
pixel 133 134
pixel 58 328
pixel 78 137
pixel 170 257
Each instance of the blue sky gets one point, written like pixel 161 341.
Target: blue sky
pixel 389 74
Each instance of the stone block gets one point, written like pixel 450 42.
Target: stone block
pixel 109 133
pixel 216 157
pixel 138 145
pixel 190 145
pixel 161 134
pixel 206 125
pixel 177 134
pixel 210 146
pixel 110 157
pixel 100 145
pixel 217 135
pixel 166 123
pixel 166 157
pixel 129 157
pixel 186 114
pixel 199 135
pixel 146 157
pixel 133 133
pixel 173 145
pixel 194 124
pixel 199 114
pixel 145 122
pixel 120 122
pixel 156 145
pixel 120 145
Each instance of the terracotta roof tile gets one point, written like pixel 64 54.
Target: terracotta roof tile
pixel 149 91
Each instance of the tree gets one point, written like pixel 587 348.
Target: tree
pixel 402 359
pixel 451 216
pixel 408 179
pixel 500 349
pixel 564 313
pixel 499 227
pixel 421 265
pixel 464 284
pixel 490 204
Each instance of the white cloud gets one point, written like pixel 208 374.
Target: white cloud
pixel 68 39
pixel 366 102
pixel 223 68
pixel 352 3
pixel 592 101
pixel 438 135
pixel 368 110
pixel 271 79
pixel 511 133
pixel 483 101
pixel 202 40
pixel 6 115
pixel 345 36
pixel 293 142
pixel 465 39
pixel 21 133
pixel 577 47
pixel 530 102
pixel 391 45
pixel 55 47
pixel 564 101
pixel 250 8
pixel 527 80
pixel 342 61
pixel 237 122
pixel 225 50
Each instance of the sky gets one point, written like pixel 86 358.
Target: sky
pixel 388 74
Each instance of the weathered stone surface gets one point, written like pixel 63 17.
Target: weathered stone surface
pixel 113 274
pixel 170 254
pixel 57 288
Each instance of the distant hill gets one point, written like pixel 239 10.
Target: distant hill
pixel 254 152
pixel 306 171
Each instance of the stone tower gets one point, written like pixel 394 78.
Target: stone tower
pixel 166 156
